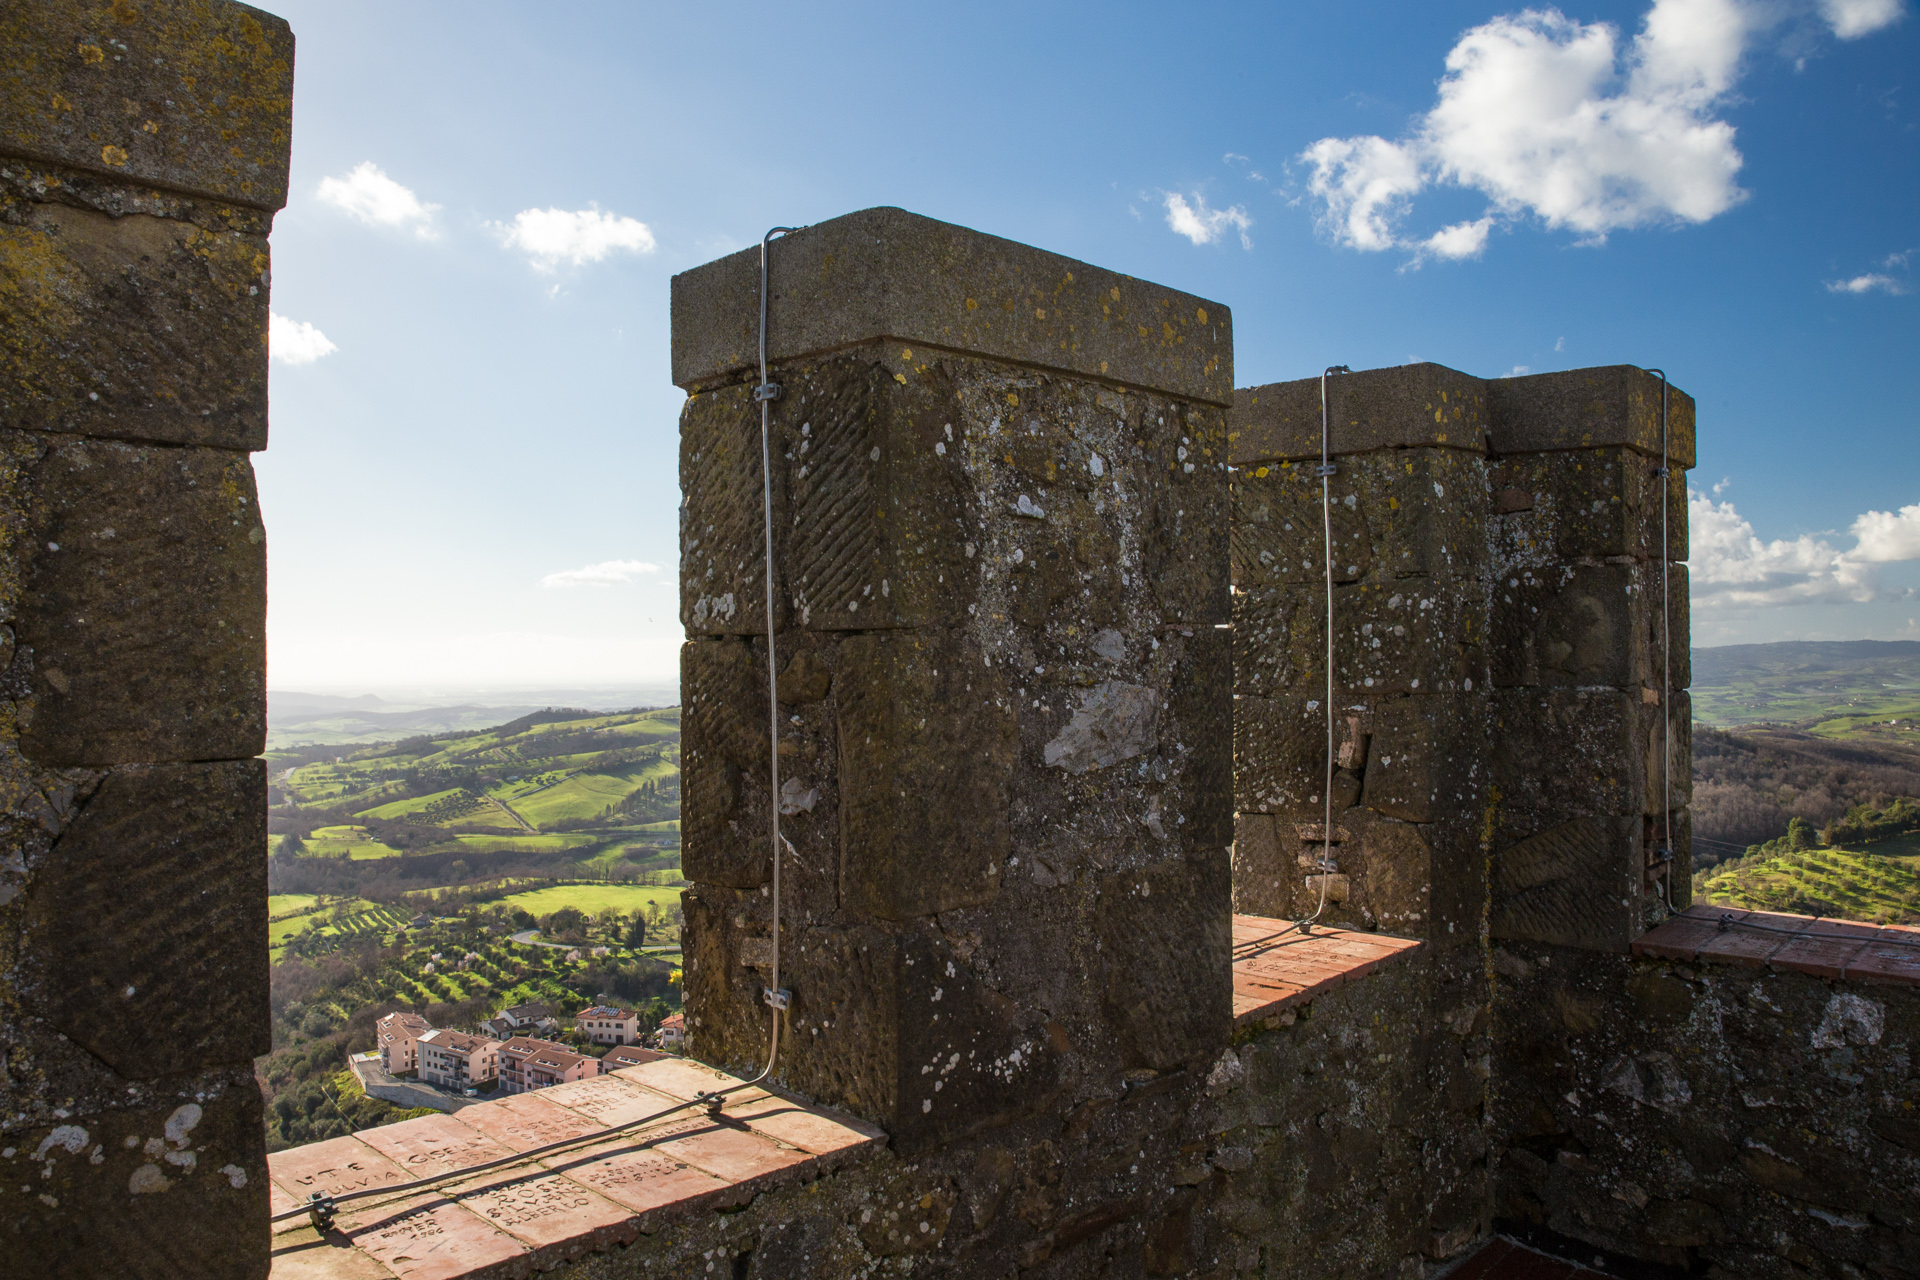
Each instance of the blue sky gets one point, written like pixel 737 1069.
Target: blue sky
pixel 472 476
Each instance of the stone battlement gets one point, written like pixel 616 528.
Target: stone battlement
pixel 1050 682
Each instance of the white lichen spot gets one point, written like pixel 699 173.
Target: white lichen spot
pixel 70 1137
pixel 181 1123
pixel 147 1179
pixel 236 1176
pixel 184 1159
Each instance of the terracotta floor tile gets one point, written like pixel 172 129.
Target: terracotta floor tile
pixel 1823 957
pixel 305 1256
pixel 1884 962
pixel 684 1078
pixel 526 1120
pixel 643 1180
pixel 804 1127
pixel 433 1145
pixel 1679 938
pixel 546 1209
pixel 609 1100
pixel 429 1238
pixel 1740 946
pixel 333 1167
pixel 736 1155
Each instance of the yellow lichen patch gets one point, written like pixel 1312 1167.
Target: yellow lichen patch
pixel 91 54
pixel 112 155
pixel 61 104
pixel 1013 399
pixel 972 305
pixel 1040 313
pixel 1202 313
pixel 900 378
pixel 906 353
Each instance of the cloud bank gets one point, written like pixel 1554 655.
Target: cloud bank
pixel 1570 123
pixel 608 573
pixel 1732 568
pixel 1202 225
pixel 295 341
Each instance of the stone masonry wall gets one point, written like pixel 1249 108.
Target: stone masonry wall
pixel 1708 1118
pixel 1003 669
pixel 143 150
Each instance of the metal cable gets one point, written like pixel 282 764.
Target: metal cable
pixel 1726 922
pixel 1665 851
pixel 321 1207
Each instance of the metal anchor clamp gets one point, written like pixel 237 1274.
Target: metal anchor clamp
pixel 320 1211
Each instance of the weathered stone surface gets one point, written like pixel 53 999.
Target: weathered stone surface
pixel 1157 928
pixel 168 861
pixel 1583 503
pixel 1421 511
pixel 195 95
pixel 1698 1122
pixel 1589 409
pixel 1422 757
pixel 146 323
pixel 1574 625
pixel 176 1189
pixel 1574 884
pixel 725 730
pixel 1605 749
pixel 1391 636
pixel 927 733
pixel 888 274
pixel 141 625
pixel 1411 406
pixel 722 518
pixel 1112 722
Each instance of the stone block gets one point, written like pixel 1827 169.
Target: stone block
pixel 1587 752
pixel 170 862
pixel 146 325
pixel 724 777
pixel 142 615
pixel 1576 884
pixel 1583 504
pixel 1422 513
pixel 196 96
pixel 176 1189
pixel 1389 637
pixel 1411 406
pixel 1262 872
pixel 1422 759
pixel 722 518
pixel 1589 409
pixel 1590 625
pixel 1166 950
pixel 886 274
pixel 927 732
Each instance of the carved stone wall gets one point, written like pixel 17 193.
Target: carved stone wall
pixel 143 150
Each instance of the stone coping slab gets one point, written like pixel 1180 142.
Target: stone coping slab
pixel 1277 967
pixel 1843 950
pixel 533 1216
pixel 193 96
pixel 887 274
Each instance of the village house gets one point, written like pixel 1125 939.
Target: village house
pixel 397 1035
pixel 456 1060
pixel 527 1064
pixel 606 1024
pixel 531 1018
pixel 673 1032
pixel 628 1055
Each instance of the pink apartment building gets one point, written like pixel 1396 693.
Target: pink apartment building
pixel 456 1060
pixel 527 1064
pixel 398 1035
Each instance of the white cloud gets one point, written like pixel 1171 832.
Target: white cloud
pixel 295 341
pixel 1203 225
pixel 1885 537
pixel 1732 568
pixel 1871 282
pixel 371 196
pixel 1567 122
pixel 580 236
pixel 1851 19
pixel 608 573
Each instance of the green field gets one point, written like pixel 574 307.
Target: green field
pixel 287 904
pixel 1833 688
pixel 1880 882
pixel 338 918
pixel 593 898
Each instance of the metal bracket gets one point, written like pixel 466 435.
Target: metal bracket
pixel 714 1102
pixel 1326 469
pixel 767 391
pixel 320 1211
pixel 1662 472
pixel 780 999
